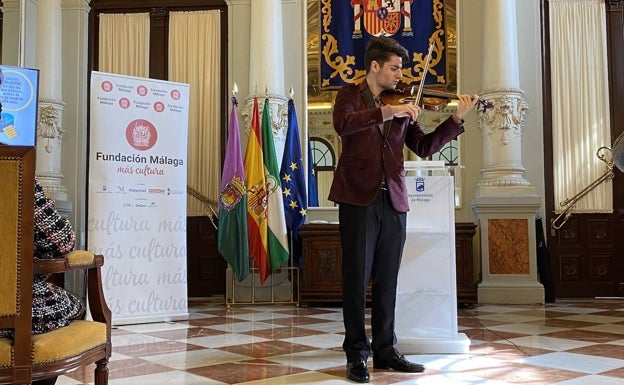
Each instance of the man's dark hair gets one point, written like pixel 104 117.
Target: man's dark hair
pixel 380 49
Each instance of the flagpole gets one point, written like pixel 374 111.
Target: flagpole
pixel 291 240
pixel 233 235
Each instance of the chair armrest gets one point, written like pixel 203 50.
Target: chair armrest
pixel 75 260
pixel 81 260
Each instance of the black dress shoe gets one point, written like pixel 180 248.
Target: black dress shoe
pixel 357 371
pixel 399 363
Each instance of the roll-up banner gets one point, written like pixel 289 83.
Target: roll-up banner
pixel 137 195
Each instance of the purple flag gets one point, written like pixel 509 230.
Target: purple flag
pixel 232 233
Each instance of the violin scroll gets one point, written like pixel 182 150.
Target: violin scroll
pixel 484 106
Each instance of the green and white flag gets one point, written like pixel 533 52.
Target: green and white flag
pixel 278 236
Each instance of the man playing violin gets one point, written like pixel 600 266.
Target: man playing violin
pixel 369 187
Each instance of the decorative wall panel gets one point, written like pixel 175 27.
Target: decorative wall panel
pixel 508 242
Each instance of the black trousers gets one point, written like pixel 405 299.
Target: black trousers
pixel 372 240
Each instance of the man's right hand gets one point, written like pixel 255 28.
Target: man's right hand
pixel 406 110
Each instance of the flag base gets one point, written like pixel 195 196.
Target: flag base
pixel 280 287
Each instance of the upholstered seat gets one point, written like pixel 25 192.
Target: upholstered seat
pixel 26 357
pixel 80 336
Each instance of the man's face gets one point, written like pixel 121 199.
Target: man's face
pixel 388 75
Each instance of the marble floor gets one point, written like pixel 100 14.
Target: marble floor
pixel 564 343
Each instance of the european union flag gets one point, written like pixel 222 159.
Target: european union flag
pixel 292 176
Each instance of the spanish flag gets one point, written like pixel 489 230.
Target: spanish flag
pixel 257 197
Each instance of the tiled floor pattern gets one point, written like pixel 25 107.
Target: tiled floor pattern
pixel 565 343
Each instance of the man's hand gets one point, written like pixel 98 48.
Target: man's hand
pixel 406 110
pixel 466 103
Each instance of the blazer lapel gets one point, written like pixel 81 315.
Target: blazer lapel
pixel 370 102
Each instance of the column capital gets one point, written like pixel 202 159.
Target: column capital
pixel 508 113
pixel 279 113
pixel 50 118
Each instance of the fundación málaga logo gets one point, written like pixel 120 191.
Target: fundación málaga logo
pixel 141 134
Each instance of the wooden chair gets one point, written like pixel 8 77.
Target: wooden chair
pixel 27 357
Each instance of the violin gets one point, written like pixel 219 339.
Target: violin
pixel 431 99
pixel 435 101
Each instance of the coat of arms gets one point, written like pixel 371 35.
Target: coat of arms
pixel 381 17
pixel 348 25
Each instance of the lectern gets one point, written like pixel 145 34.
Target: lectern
pixel 426 307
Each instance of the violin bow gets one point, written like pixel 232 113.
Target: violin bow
pixel 422 81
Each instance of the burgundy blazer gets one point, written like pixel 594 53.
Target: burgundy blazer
pixel 367 156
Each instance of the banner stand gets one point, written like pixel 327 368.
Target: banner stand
pixel 137 195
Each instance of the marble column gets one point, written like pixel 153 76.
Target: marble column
pixel 50 132
pixel 75 86
pixel 266 67
pixel 505 202
pixel 266 80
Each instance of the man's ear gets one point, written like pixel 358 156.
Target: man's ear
pixel 375 66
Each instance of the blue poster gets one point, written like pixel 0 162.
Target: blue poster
pixel 346 27
pixel 19 88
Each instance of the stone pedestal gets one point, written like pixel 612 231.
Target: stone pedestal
pixel 509 264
